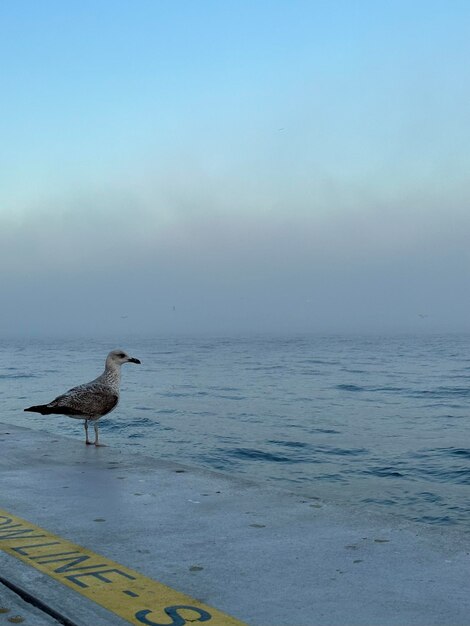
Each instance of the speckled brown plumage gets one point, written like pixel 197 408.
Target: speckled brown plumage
pixel 92 400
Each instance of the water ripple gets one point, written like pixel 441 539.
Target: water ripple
pixel 345 387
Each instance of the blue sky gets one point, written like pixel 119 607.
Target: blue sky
pixel 263 165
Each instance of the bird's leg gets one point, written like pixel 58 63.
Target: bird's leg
pixel 97 443
pixel 87 441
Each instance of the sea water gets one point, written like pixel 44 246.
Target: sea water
pixel 366 421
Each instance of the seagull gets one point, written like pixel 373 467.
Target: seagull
pixel 92 400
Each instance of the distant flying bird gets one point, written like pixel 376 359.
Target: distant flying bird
pixel 423 315
pixel 92 400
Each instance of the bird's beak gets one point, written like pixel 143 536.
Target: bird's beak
pixel 132 360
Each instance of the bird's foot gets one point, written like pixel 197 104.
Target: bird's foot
pixel 89 443
pixel 100 445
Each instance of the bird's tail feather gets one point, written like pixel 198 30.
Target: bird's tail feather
pixel 41 408
pixel 51 409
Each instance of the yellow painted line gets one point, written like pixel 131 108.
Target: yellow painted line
pixel 134 597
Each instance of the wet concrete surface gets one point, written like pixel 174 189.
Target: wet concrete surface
pixel 261 555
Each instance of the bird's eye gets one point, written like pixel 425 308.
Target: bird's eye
pixel 121 355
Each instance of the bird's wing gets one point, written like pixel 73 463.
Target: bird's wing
pixel 91 399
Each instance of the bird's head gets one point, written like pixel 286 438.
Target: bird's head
pixel 118 357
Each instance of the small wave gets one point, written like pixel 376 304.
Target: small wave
pixel 265 368
pixel 216 460
pixel 224 397
pixel 390 389
pixel 341 451
pixel 312 457
pixel 144 421
pixel 290 444
pixel 428 496
pixel 312 372
pixel 301 399
pixel 334 478
pixel 16 376
pixel 385 501
pixel 259 455
pixel 318 362
pixel 448 452
pixel 247 417
pixel 119 426
pixel 384 472
pixel 175 394
pixel 460 476
pixel 109 426
pixel 202 413
pixel 354 388
pixel 325 431
pixel 443 520
pixel 460 452
pixel 441 392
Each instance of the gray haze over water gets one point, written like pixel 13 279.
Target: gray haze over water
pixel 107 272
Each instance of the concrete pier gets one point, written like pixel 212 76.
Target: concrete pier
pixel 15 610
pixel 261 556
